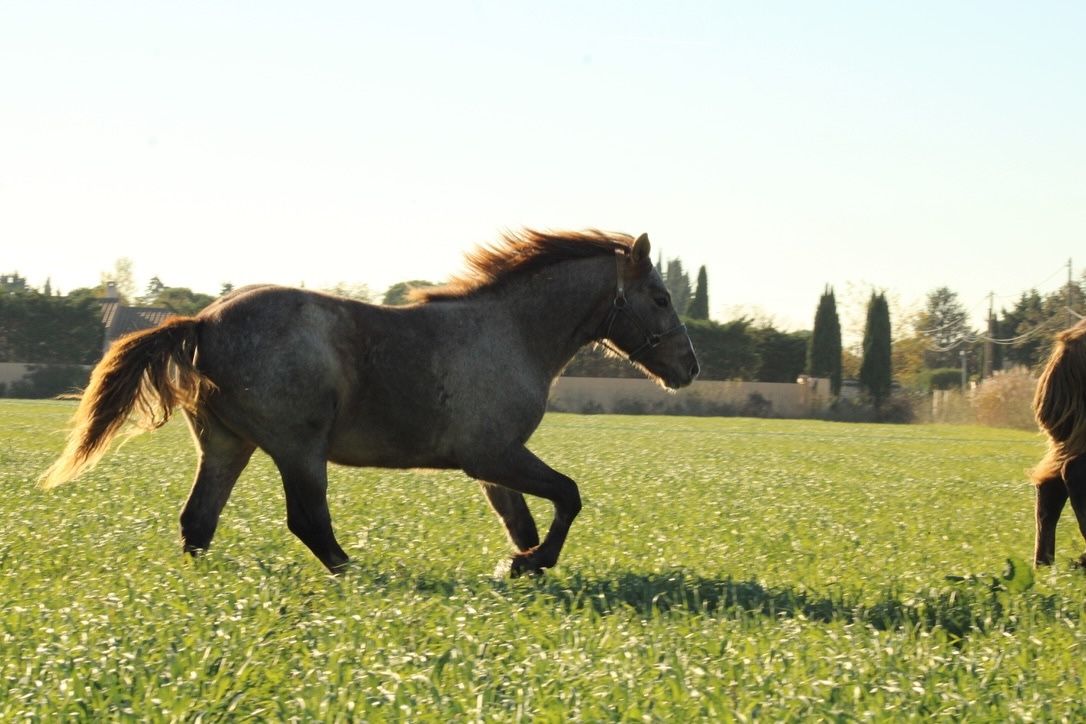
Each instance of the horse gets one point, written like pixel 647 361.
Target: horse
pixel 456 379
pixel 1059 406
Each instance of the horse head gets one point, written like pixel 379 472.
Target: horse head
pixel 643 324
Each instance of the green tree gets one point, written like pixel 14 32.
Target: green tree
pixel 677 282
pixel 699 306
pixel 945 324
pixel 122 277
pixel 1030 327
pixel 358 291
pixel 876 368
pixel 155 287
pixel 1024 329
pixel 95 294
pixel 725 351
pixel 782 355
pixel 400 292
pixel 13 284
pixel 907 355
pixel 824 349
pixel 1060 306
pixel 181 300
pixel 35 328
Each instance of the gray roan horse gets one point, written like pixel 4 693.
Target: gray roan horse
pixel 458 379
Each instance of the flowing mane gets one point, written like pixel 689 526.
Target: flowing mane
pixel 522 252
pixel 1060 403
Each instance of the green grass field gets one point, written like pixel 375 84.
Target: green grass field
pixel 722 569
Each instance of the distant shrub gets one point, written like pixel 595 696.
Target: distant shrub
pixel 899 409
pixel 632 406
pixel 942 378
pixel 1006 400
pixel 845 410
pixel 757 406
pixel 700 407
pixel 554 405
pixel 43 381
pixel 592 408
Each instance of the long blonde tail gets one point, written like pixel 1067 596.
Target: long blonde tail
pixel 144 375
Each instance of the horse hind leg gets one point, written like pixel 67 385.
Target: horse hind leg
pixel 514 514
pixel 222 457
pixel 1051 497
pixel 306 487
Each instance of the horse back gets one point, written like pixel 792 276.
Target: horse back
pixel 369 385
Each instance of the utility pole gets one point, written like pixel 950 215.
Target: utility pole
pixel 1070 313
pixel 989 345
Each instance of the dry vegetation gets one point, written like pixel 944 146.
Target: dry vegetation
pixel 1003 400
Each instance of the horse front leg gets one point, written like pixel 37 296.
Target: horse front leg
pixel 1051 497
pixel 514 514
pixel 522 472
pixel 1075 478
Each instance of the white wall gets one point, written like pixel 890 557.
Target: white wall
pixel 12 372
pixel 580 394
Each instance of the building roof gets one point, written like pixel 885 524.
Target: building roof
pixel 120 320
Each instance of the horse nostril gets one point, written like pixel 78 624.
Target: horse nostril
pixel 694 369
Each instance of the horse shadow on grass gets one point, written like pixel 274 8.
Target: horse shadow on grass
pixel 961 607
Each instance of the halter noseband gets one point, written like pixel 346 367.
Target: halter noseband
pixel 618 305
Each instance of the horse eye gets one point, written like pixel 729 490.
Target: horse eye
pixel 661 302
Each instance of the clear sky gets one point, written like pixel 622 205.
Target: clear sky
pixel 784 145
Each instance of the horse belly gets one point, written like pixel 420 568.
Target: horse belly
pixel 388 446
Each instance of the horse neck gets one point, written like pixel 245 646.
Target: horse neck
pixel 562 308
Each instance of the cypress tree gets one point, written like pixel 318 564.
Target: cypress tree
pixel 875 370
pixel 677 282
pixel 699 307
pixel 824 350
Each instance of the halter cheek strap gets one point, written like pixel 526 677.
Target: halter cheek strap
pixel 618 304
pixel 620 263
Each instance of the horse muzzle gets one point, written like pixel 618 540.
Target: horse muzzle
pixel 682 374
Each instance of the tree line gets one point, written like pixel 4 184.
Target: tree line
pixel 1018 336
pixel 937 347
pixel 929 350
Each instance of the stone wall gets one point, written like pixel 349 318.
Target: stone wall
pixel 758 399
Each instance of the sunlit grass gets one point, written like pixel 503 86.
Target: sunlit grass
pixel 721 569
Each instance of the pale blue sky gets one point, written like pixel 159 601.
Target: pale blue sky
pixel 785 145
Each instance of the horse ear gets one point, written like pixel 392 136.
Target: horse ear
pixel 641 249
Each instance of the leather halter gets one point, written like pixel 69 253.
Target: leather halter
pixel 618 306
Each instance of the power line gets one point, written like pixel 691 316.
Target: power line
pixel 1045 326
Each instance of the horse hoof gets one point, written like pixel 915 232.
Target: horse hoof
pixel 520 565
pixel 193 551
pixel 340 569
